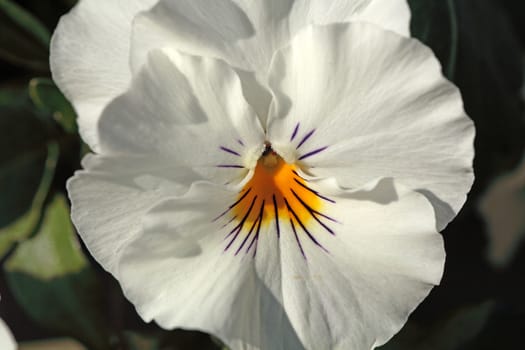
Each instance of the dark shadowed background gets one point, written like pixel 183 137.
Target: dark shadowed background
pixel 52 289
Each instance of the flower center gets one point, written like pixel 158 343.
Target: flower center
pixel 276 191
pixel 278 195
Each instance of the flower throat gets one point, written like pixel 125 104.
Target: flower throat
pixel 279 191
pixel 278 195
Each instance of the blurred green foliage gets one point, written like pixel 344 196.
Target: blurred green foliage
pixel 49 100
pixel 22 159
pixel 56 290
pixel 24 40
pixel 27 223
pixel 53 281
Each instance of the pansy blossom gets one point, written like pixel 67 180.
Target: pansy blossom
pixel 309 227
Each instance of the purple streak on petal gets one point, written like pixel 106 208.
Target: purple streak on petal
pixel 229 222
pixel 312 153
pixel 230 166
pixel 247 235
pixel 221 215
pixel 256 240
pixel 256 237
pixel 312 238
pixel 328 217
pixel 314 192
pixel 294 134
pixel 313 213
pixel 227 150
pixel 237 229
pixel 297 239
pixel 276 216
pixel 240 142
pixel 305 138
pixel 233 205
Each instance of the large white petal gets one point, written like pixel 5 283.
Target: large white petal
pixel 187 109
pixel 247 33
pixel 379 103
pixel 179 274
pixel 354 292
pixel 90 57
pixel 110 197
pixel 358 290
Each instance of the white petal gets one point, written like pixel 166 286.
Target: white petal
pixel 110 197
pixel 247 33
pixel 393 15
pixel 7 341
pixel 358 290
pixel 379 103
pixel 90 57
pixel 189 110
pixel 179 274
pixel 384 258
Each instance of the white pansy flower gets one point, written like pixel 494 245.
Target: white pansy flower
pixel 94 44
pixel 293 209
pixel 304 232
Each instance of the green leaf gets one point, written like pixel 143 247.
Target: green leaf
pixel 26 225
pixel 434 22
pixel 24 40
pixel 47 98
pixel 54 252
pixel 23 153
pixel 51 279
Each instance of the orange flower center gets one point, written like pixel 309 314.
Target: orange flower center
pixel 278 195
pixel 276 191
